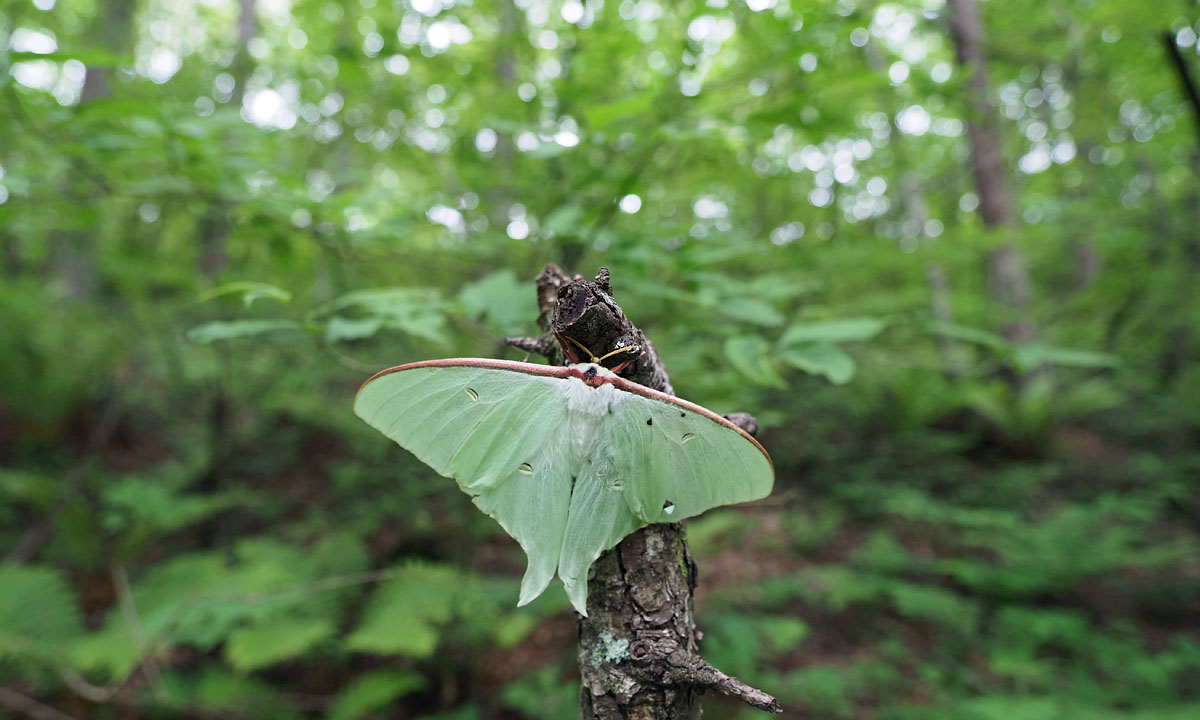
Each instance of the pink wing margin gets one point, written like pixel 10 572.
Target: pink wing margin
pixel 563 372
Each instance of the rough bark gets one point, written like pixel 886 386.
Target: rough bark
pixel 638 656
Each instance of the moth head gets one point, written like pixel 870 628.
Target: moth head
pixel 592 374
pixel 572 348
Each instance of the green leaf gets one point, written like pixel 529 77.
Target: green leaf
pixel 749 354
pixel 820 359
pixel 934 604
pixel 543 693
pixel 392 636
pixel 156 506
pixel 505 302
pixel 781 633
pixel 152 187
pixel 512 628
pixel 250 291
pixel 30 487
pixel 883 553
pixel 751 311
pixel 705 532
pixel 273 641
pixel 1090 396
pixel 1028 357
pixel 407 613
pixel 372 692
pixel 564 220
pixel 39 616
pixel 111 650
pixel 600 116
pixel 233 329
pixel 829 331
pixel 969 334
pixel 548 149
pixel 824 689
pixel 110 141
pixel 214 691
pixel 416 311
pixel 340 329
pixel 87 56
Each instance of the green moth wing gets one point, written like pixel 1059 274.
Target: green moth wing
pixel 484 428
pixel 568 463
pixel 698 459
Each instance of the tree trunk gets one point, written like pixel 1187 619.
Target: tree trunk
pixel 499 196
pixel 1008 275
pixel 987 161
pixel 216 225
pixel 215 228
pixel 1174 360
pixel 73 256
pixel 638 655
pixel 915 206
pixel 114 26
pixel 935 276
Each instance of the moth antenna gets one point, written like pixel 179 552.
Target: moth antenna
pixel 568 351
pixel 631 348
pixel 571 354
pixel 626 348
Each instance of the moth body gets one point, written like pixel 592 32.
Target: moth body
pixel 591 397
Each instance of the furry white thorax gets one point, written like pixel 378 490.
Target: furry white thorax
pixel 588 406
pixel 584 399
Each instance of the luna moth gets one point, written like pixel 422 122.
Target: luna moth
pixel 569 460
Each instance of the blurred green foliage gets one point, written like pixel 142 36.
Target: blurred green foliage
pixel 212 232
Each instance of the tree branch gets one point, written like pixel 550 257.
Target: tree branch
pixel 694 670
pixel 638 655
pixel 1186 82
pixel 29 707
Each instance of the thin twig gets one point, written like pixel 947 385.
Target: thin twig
pixel 1185 76
pixel 134 623
pixel 324 585
pixel 25 705
pixel 345 360
pixel 697 672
